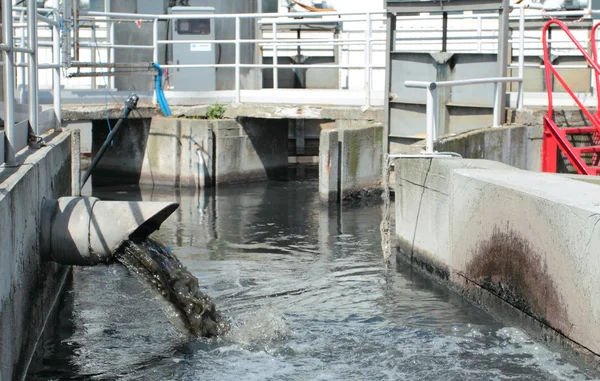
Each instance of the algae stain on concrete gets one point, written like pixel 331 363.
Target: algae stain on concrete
pixel 507 266
pixel 353 155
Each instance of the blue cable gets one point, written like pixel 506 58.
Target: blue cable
pixel 160 95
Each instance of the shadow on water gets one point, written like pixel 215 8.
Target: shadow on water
pixel 306 295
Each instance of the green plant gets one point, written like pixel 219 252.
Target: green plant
pixel 215 111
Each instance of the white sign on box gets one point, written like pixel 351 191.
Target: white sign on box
pixel 201 47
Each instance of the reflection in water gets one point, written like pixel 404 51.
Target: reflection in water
pixel 306 295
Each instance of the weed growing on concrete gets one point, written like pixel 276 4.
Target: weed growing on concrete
pixel 215 111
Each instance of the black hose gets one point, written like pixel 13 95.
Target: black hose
pixel 130 105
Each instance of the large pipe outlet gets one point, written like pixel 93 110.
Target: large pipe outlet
pixel 86 231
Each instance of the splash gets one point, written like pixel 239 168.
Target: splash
pixel 155 264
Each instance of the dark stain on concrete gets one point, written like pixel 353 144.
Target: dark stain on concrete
pixel 507 266
pixel 422 260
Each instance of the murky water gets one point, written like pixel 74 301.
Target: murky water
pixel 305 291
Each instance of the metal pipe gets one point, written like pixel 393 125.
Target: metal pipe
pixel 155 52
pixel 21 83
pixel 444 31
pixel 275 58
pixel 238 85
pixel 497 119
pixel 368 60
pixel 9 83
pixel 130 105
pixel 75 30
pixel 142 16
pixel 56 82
pixel 84 231
pixel 431 112
pixel 33 87
pixel 462 82
pixel 521 56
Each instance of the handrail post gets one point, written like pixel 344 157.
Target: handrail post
pixel 497 105
pixel 33 65
pixel 9 82
pixel 22 72
pixel 56 53
pixel 521 57
pixel 368 61
pixel 431 114
pixel 155 53
pixel 275 57
pixel 479 33
pixel 238 85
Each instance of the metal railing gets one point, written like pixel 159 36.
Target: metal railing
pixel 432 86
pixel 28 47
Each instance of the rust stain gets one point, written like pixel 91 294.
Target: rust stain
pixel 328 169
pixel 299 112
pixel 509 267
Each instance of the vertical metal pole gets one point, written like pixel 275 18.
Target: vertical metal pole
pixel 56 60
pixel 431 117
pixel 238 85
pixel 9 82
pixel 497 119
pixel 275 57
pixel 503 35
pixel 155 53
pixel 21 82
pixel 33 87
pixel 479 33
pixel 368 61
pixel 111 41
pixel 75 29
pixel 76 163
pixel 390 43
pixel 444 31
pixel 521 57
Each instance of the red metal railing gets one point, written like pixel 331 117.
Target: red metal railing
pixel 554 136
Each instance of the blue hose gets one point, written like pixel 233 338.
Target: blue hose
pixel 160 95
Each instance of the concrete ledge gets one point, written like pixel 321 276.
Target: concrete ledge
pixel 28 286
pixel 528 239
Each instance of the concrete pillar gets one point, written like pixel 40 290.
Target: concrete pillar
pixel 361 161
pixel 300 137
pixel 329 171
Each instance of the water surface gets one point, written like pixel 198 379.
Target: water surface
pixel 307 296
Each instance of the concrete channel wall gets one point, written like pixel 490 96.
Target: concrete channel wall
pixel 192 152
pixel 28 286
pixel 350 160
pixel 526 240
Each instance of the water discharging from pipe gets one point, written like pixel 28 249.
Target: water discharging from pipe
pixel 153 263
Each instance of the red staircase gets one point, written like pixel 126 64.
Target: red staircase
pixel 580 145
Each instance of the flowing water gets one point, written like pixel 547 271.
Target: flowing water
pixel 305 293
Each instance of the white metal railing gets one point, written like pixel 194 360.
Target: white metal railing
pixel 28 58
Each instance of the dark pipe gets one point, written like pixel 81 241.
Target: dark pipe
pixel 130 105
pixel 444 31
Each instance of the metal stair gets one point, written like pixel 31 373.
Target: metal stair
pixel 579 145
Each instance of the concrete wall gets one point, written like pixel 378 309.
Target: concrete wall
pixel 351 160
pixel 527 240
pixel 164 151
pixel 520 147
pixel 28 286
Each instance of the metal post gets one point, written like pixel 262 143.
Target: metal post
pixel 275 57
pixel 503 35
pixel 521 56
pixel 155 55
pixel 431 117
pixel 497 119
pixel 56 60
pixel 390 43
pixel 9 82
pixel 237 61
pixel 33 66
pixel 368 61
pixel 22 83
pixel 479 33
pixel 444 31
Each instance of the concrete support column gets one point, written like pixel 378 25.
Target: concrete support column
pixel 329 171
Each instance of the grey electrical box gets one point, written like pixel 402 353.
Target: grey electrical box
pixel 195 30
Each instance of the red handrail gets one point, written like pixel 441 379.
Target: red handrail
pixel 595 56
pixel 551 70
